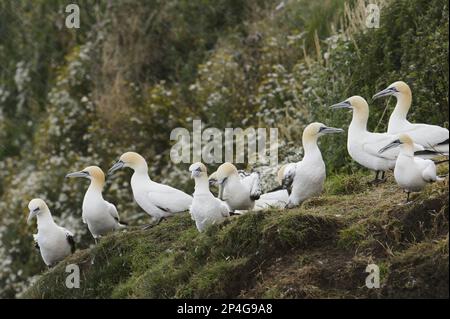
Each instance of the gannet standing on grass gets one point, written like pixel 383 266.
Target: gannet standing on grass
pixel 205 209
pixel 411 173
pixel 309 175
pixel 362 145
pixel 237 188
pixel 157 200
pixel 431 137
pixel 54 242
pixel 100 216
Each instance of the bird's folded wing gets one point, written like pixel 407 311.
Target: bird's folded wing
pixel 252 182
pixel 279 195
pixel 112 210
pixel 288 177
pixel 428 135
pixel 377 141
pixel 428 169
pixel 169 199
pixel 224 208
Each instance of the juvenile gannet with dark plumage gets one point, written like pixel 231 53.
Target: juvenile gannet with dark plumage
pixel 205 209
pixel 157 200
pixel 100 216
pixel 237 188
pixel 411 173
pixel 431 137
pixel 362 145
pixel 306 180
pixel 54 242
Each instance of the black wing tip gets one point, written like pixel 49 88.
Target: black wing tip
pixel 446 142
pixel 426 152
pixel 71 242
pixel 122 222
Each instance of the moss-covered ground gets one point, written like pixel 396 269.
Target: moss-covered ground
pixel 319 250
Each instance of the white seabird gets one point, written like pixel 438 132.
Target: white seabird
pixel 237 188
pixel 54 242
pixel 205 209
pixel 431 137
pixel 157 200
pixel 306 178
pixel 362 145
pixel 411 173
pixel 100 216
pixel 278 197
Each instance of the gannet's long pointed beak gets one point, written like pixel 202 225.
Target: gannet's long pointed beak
pixel 385 92
pixel 342 105
pixel 389 146
pixel 118 165
pixel 32 214
pixel 78 174
pixel 330 130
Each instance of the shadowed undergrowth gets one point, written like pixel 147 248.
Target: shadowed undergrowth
pixel 320 250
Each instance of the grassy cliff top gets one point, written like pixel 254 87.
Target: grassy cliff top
pixel 320 250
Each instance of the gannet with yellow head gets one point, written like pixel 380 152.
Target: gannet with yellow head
pixel 431 137
pixel 309 175
pixel 100 216
pixel 54 242
pixel 411 173
pixel 157 200
pixel 205 209
pixel 237 188
pixel 362 145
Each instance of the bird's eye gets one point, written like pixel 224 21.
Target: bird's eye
pixel 36 209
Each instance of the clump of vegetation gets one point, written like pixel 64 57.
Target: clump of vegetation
pixel 301 253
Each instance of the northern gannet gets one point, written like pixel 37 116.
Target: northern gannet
pixel 237 188
pixel 279 196
pixel 411 173
pixel 157 200
pixel 100 216
pixel 53 241
pixel 274 199
pixel 431 137
pixel 205 209
pixel 306 178
pixel 362 145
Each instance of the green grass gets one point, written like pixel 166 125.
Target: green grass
pixel 319 250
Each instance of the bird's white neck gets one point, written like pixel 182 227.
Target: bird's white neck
pixel 359 120
pixel 201 185
pixel 141 169
pixel 44 220
pixel 95 189
pixel 311 148
pixel 402 107
pixel 407 149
